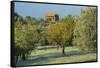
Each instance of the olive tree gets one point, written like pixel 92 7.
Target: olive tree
pixel 59 34
pixel 85 30
pixel 26 36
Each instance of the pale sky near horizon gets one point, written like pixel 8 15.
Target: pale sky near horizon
pixel 38 10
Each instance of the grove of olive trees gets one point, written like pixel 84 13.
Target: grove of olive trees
pixel 74 31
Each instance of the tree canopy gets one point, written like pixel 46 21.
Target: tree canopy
pixel 85 30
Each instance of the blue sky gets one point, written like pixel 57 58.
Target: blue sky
pixel 38 10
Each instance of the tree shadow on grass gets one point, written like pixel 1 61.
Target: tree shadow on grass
pixel 39 59
pixel 46 48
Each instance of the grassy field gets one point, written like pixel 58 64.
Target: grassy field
pixel 52 55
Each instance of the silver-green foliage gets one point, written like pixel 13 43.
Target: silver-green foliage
pixel 85 30
pixel 26 36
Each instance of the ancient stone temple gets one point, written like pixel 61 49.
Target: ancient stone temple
pixel 51 17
